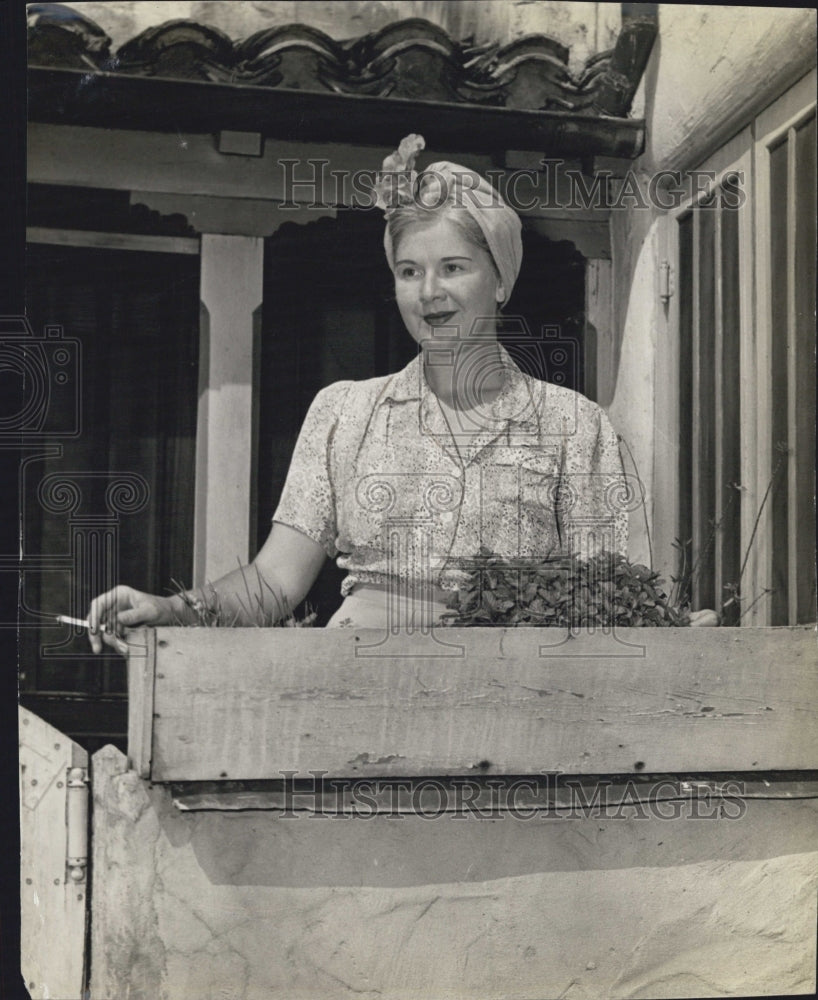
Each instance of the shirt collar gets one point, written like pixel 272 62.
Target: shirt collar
pixel 517 402
pixel 513 416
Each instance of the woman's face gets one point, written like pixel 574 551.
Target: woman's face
pixel 446 287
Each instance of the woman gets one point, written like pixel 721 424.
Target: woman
pixel 404 479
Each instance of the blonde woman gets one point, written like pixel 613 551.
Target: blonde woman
pixel 404 479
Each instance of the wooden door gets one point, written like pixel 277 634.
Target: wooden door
pixel 53 831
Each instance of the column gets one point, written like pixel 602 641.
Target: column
pixel 226 431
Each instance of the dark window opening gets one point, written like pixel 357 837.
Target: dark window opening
pixel 115 502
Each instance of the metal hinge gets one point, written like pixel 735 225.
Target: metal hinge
pixel 77 822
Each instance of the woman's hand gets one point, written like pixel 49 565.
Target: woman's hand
pixel 706 618
pixel 279 578
pixel 124 607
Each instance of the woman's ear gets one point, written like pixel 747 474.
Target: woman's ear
pixel 500 293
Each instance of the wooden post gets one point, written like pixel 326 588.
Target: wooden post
pixel 226 431
pixel 141 671
pixel 600 359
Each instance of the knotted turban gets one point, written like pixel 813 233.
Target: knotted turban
pixel 445 182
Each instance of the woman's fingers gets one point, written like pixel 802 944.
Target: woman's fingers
pixel 104 607
pixel 96 642
pixel 147 609
pixel 114 641
pixel 140 615
pixel 101 612
pixel 122 607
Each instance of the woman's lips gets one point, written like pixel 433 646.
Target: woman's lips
pixel 438 318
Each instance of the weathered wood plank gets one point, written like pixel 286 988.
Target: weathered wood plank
pixel 166 105
pixel 141 668
pixel 297 173
pixel 52 904
pixel 558 796
pixel 249 704
pixel 112 241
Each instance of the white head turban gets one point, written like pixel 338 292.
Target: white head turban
pixel 449 182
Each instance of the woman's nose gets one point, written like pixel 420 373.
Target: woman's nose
pixel 430 286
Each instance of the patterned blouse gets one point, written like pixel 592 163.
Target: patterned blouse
pixel 379 479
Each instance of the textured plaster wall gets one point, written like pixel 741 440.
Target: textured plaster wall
pixel 586 28
pixel 711 70
pixel 637 319
pixel 252 906
pixel 714 68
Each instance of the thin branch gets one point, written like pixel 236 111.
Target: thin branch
pixel 758 516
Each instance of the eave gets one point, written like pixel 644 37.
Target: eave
pixel 111 100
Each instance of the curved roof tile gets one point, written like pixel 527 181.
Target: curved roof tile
pixel 411 59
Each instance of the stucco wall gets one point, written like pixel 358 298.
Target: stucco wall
pixel 255 906
pixel 712 69
pixel 586 28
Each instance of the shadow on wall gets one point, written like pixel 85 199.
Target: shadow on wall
pixel 271 849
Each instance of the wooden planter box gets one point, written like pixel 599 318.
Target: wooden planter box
pixel 249 704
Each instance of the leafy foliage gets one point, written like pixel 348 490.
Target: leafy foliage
pixel 563 590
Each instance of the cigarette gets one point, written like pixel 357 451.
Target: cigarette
pixel 82 622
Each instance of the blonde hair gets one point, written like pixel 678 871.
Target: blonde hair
pixel 406 217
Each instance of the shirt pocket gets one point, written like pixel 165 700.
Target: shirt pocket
pixel 518 503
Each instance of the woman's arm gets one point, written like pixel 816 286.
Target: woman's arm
pixel 277 580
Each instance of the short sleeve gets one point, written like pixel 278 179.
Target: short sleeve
pixel 308 500
pixel 594 494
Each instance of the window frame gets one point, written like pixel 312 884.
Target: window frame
pixel 778 120
pixel 733 158
pixel 746 153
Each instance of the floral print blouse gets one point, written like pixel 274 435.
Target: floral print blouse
pixel 383 481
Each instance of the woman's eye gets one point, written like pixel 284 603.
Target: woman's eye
pixel 451 268
pixel 407 273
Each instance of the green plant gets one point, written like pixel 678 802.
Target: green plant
pixel 563 590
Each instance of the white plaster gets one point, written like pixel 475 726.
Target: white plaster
pixel 632 408
pixel 709 913
pixel 714 67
